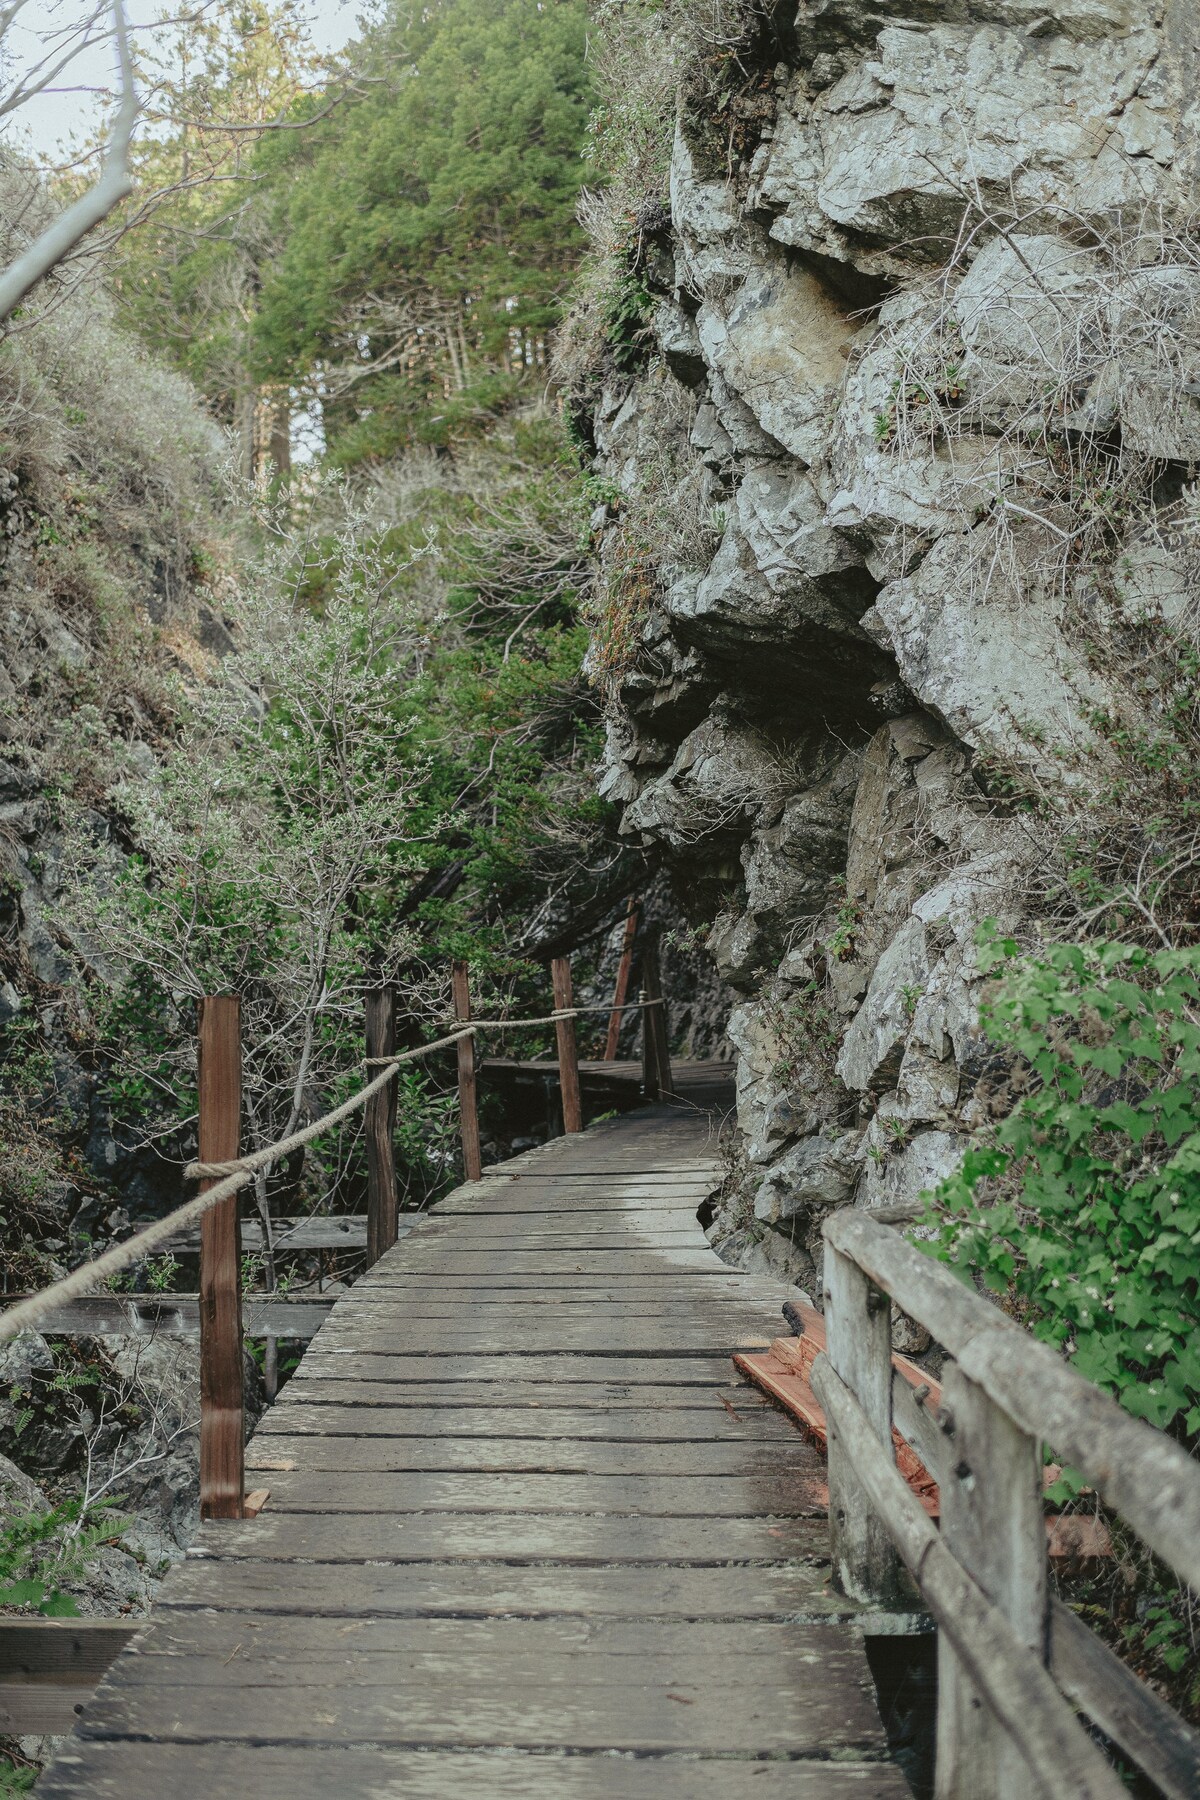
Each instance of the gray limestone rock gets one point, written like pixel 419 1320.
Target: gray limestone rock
pixel 816 1176
pixel 874 1044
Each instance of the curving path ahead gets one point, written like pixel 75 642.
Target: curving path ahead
pixel 529 1534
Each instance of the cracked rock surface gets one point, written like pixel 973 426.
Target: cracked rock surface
pixel 883 316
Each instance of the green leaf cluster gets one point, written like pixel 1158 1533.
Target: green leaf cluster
pixel 427 228
pixel 1084 1209
pixel 42 1549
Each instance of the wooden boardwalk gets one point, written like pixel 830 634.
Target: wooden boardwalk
pixel 528 1533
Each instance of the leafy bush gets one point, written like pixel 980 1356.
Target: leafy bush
pixel 1084 1209
pixel 41 1551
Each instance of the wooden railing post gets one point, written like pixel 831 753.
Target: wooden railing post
pixel 657 1081
pixel 992 1522
pixel 468 1100
pixel 568 1051
pixel 624 968
pixel 222 1408
pixel 380 1123
pixel 858 1327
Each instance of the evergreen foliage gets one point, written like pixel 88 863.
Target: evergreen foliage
pixel 428 229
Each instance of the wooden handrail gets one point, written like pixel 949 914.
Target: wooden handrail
pixel 1002 1396
pixel 1038 1722
pixel 1142 1474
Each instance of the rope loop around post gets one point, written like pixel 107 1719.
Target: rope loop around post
pixel 232 1174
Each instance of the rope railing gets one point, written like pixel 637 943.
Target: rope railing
pixel 231 1176
pixel 235 1174
pixel 225 1173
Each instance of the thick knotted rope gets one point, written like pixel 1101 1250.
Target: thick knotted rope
pixel 234 1175
pixel 230 1177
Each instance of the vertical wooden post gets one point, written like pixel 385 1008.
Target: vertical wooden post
pixel 657 1080
pixel 382 1202
pixel 858 1329
pixel 568 1050
pixel 624 968
pixel 992 1521
pixel 222 1409
pixel 468 1104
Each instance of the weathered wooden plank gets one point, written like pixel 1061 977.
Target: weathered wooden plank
pixel 446 1302
pixel 321 1231
pixel 64 1650
pixel 412 1367
pixel 1150 1733
pixel 599 1649
pixel 322 1386
pixel 114 1770
pixel 556 1336
pixel 787 1495
pixel 698 1285
pixel 41 1708
pixel 178 1315
pixel 349 1590
pixel 516 1537
pixel 708 1681
pixel 712 1422
pixel 448 1259
pixel 357 1456
pixel 829 1713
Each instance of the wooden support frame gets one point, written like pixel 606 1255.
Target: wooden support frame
pixel 50 1668
pixel 992 1523
pixel 1004 1728
pixel 858 1323
pixel 380 1126
pixel 468 1094
pixel 1060 1760
pixel 624 971
pixel 222 1408
pixel 657 1079
pixel 568 1048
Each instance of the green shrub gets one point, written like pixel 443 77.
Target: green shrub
pixel 41 1551
pixel 1084 1208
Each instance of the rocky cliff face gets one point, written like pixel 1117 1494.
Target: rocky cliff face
pixel 896 480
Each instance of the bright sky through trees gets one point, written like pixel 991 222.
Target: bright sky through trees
pixel 75 105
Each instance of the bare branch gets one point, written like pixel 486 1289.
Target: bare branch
pixel 61 237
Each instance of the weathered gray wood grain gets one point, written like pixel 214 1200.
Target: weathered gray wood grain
pixel 616 1423
pixel 787 1492
pixel 114 1771
pixel 517 1537
pixel 349 1590
pixel 830 1712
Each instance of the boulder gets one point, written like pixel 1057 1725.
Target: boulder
pixel 779 342
pixel 816 1176
pixel 981 646
pixel 874 1044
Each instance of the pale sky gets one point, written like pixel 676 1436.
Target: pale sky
pixel 74 106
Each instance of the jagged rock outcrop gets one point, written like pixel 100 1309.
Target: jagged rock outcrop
pixel 936 308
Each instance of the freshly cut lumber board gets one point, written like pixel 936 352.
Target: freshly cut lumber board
pixel 529 1533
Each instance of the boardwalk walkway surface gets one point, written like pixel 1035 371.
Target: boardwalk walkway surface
pixel 528 1534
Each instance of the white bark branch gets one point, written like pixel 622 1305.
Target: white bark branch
pixel 115 182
